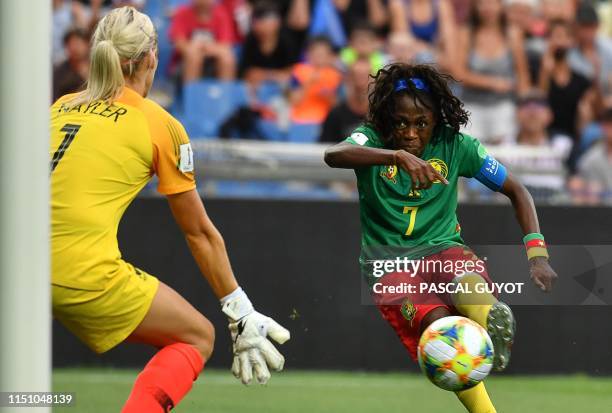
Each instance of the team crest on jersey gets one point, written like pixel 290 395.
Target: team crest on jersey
pixel 408 310
pixel 440 166
pixel 389 172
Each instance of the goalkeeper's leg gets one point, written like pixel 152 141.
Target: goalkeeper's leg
pixel 186 340
pixel 495 316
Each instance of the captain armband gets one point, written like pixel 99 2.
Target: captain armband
pixel 492 174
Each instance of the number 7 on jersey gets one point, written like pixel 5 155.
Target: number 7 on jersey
pixel 412 210
pixel 71 131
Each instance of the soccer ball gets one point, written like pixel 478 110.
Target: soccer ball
pixel 455 353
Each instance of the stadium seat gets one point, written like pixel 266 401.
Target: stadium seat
pixel 174 4
pixel 163 81
pixel 165 49
pixel 304 132
pixel 269 94
pixel 270 131
pixel 155 10
pixel 268 91
pixel 208 103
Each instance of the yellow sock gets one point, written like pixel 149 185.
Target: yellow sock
pixel 472 304
pixel 476 399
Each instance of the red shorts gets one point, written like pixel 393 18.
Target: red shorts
pixel 405 310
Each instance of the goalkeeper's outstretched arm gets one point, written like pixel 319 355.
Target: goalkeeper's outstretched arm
pixel 204 241
pixel 254 354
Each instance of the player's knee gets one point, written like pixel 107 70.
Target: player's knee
pixel 205 338
pixel 470 278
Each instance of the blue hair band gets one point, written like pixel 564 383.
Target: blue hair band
pixel 417 82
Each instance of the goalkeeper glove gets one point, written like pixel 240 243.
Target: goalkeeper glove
pixel 254 354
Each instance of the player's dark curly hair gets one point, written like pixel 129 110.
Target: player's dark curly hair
pixel 447 108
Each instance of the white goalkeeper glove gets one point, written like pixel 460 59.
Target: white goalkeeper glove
pixel 254 354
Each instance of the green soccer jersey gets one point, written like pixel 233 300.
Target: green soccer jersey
pixel 416 222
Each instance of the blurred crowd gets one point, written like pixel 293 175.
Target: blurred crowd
pixel 533 73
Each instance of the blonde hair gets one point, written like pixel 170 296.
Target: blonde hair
pixel 121 40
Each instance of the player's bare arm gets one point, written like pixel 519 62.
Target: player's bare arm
pixel 541 272
pixel 254 354
pixel 346 155
pixel 204 240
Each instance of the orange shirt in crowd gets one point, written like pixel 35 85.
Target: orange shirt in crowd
pixel 320 86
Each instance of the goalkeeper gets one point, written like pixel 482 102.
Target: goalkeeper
pixel 106 143
pixel 408 157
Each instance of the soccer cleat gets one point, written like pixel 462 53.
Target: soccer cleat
pixel 501 327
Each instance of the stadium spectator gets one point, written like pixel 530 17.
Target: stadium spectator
pixel 592 56
pixel 202 35
pixel 566 90
pixel 400 48
pixel 594 181
pixel 431 23
pixel 372 11
pixel 70 76
pixel 239 12
pixel 67 14
pixel 351 111
pixel 525 15
pixel 315 83
pixel 295 15
pixel 137 4
pixel 363 43
pixel 553 10
pixel 93 10
pixel 267 53
pixel 534 116
pixel 522 14
pixel 493 67
pixel 461 10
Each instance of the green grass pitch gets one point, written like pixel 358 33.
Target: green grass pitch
pixel 216 391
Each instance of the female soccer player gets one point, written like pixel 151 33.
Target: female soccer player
pixel 408 157
pixel 106 143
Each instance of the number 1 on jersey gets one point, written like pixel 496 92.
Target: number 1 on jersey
pixel 412 210
pixel 71 131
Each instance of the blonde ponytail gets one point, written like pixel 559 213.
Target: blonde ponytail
pixel 121 40
pixel 105 73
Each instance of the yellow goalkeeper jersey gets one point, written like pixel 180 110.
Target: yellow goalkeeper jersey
pixel 101 156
